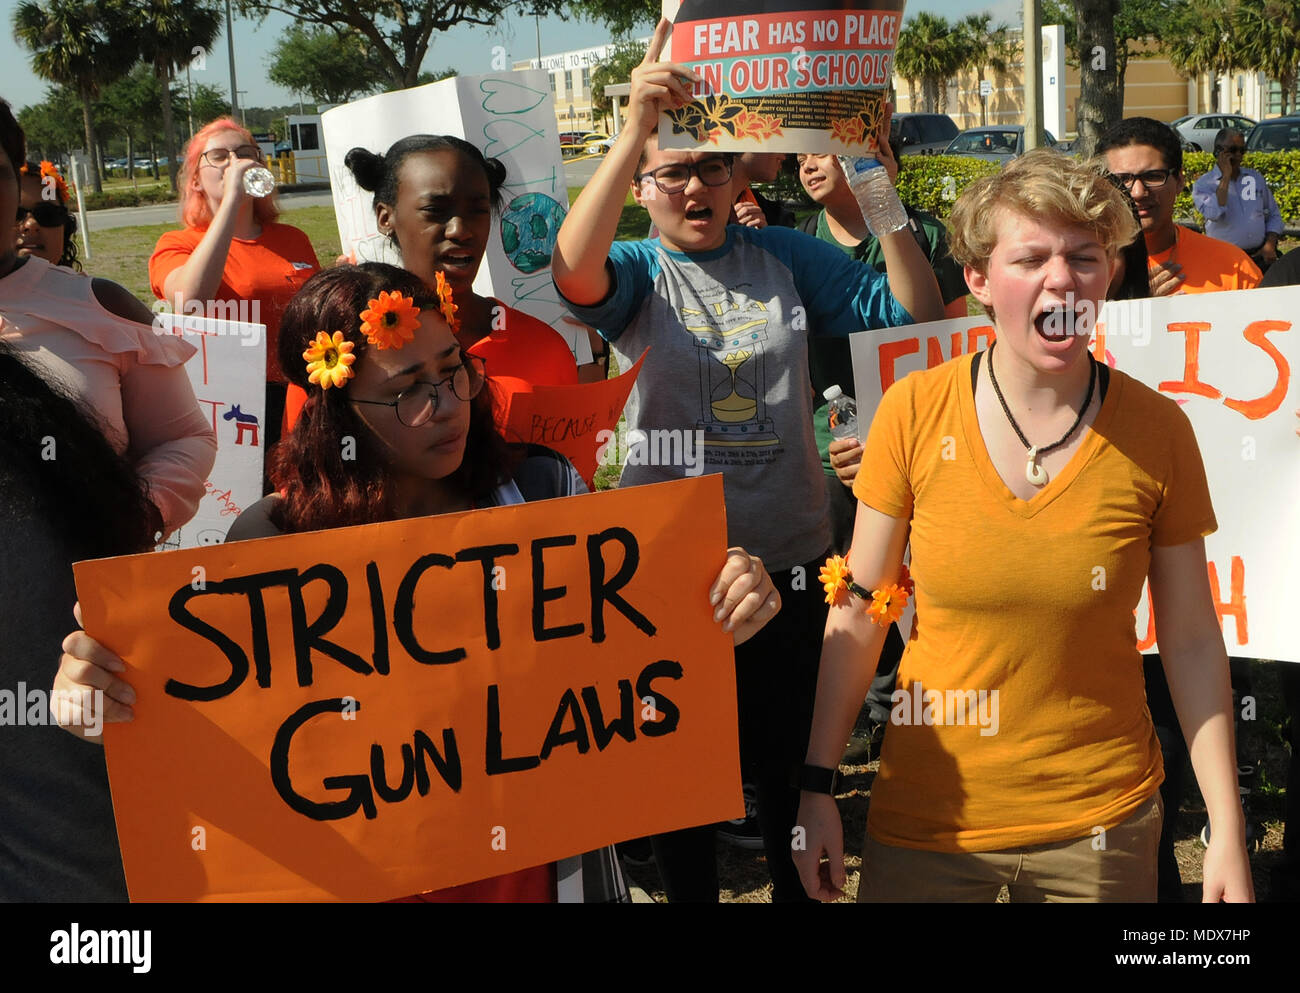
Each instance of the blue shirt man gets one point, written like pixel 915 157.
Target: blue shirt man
pixel 1236 202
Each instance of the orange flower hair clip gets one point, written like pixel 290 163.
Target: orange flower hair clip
pixel 329 360
pixel 391 320
pixel 446 302
pixel 884 605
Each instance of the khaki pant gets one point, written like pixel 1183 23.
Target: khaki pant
pixel 1080 871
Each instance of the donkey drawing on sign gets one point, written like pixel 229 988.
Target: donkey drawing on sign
pixel 244 422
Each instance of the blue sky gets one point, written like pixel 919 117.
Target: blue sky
pixel 467 49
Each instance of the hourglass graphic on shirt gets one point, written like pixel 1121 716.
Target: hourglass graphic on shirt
pixel 730 336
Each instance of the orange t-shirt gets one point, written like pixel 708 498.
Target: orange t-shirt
pixel 1020 716
pixel 267 270
pixel 520 345
pixel 1209 265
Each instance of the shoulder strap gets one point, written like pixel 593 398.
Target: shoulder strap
pixel 543 474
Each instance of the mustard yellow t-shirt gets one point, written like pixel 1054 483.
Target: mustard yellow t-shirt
pixel 1026 608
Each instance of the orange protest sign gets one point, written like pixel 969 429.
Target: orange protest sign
pixel 373 712
pixel 576 421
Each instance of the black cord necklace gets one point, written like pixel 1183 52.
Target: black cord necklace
pixel 1034 472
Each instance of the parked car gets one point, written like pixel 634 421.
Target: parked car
pixel 1001 143
pixel 597 142
pixel 922 134
pixel 1281 134
pixel 1199 129
pixel 571 137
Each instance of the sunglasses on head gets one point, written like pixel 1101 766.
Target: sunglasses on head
pixel 47 214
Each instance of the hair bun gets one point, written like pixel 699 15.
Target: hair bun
pixel 366 167
pixel 496 172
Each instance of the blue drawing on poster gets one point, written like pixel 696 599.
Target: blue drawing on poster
pixel 529 226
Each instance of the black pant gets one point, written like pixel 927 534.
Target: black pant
pixel 844 509
pixel 776 683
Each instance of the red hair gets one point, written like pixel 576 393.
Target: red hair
pixel 195 212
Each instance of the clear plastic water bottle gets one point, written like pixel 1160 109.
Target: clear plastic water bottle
pixel 258 182
pixel 875 194
pixel 842 413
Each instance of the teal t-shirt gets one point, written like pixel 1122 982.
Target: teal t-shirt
pixel 830 359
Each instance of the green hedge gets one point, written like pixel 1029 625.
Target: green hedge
pixel 129 198
pixel 933 182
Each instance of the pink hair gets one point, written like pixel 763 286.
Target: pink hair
pixel 195 212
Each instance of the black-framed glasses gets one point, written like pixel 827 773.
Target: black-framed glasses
pixel 220 156
pixel 673 178
pixel 417 404
pixel 48 214
pixel 1152 179
pixel 1231 149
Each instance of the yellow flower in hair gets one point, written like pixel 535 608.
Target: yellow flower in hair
pixel 391 320
pixel 835 579
pixel 329 360
pixel 446 302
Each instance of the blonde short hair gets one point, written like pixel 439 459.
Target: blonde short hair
pixel 1042 185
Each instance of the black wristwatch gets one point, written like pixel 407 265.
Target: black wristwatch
pixel 819 779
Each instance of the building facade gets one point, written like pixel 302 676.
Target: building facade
pixel 570 74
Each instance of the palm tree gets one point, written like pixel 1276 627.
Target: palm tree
pixel 1269 41
pixel 907 63
pixel 1202 37
pixel 166 35
pixel 987 48
pixel 70 47
pixel 930 50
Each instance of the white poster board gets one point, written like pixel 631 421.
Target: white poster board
pixel 508 116
pixel 1226 359
pixel 228 373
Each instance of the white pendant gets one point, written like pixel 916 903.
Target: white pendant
pixel 1034 472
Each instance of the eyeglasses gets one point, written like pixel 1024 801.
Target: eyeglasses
pixel 220 156
pixel 1231 149
pixel 1152 179
pixel 47 214
pixel 417 404
pixel 715 171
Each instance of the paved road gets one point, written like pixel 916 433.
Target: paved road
pixel 575 173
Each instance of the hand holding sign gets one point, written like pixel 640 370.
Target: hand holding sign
pixel 744 595
pixel 656 86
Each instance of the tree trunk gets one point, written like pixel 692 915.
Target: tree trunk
pixel 1100 103
pixel 153 160
pixel 169 139
pixel 130 160
pixel 89 124
pixel 929 94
